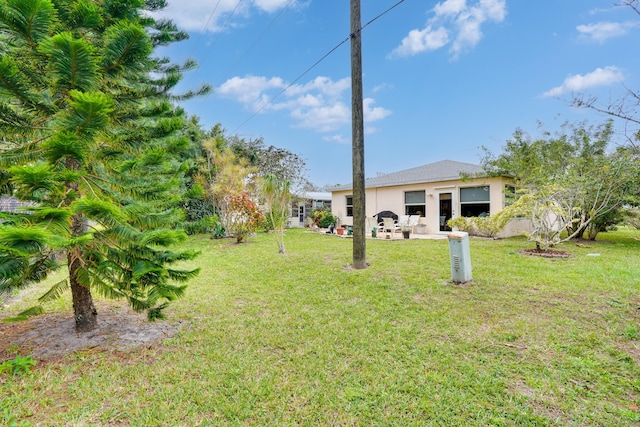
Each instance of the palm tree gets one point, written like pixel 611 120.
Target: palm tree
pixel 278 199
pixel 85 133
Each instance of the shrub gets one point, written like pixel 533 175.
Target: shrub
pixel 244 215
pixel 461 223
pixel 202 226
pixel 487 226
pixel 198 209
pixel 323 219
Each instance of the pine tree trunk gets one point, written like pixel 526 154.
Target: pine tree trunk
pixel 84 311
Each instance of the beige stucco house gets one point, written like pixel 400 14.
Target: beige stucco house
pixel 436 191
pixel 305 203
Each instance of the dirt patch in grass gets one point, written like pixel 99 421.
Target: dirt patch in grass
pixel 52 335
pixel 548 253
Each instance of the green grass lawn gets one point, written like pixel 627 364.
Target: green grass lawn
pixel 302 339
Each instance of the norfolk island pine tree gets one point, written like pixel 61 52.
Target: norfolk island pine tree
pixel 86 127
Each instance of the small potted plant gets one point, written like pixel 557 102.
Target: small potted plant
pixel 406 231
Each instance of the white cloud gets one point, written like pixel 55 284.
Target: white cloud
pixel 370 130
pixel 371 113
pixel 250 90
pixel 599 77
pixel 213 16
pixel 323 118
pixel 423 40
pixel 450 7
pixel 456 22
pixel 338 139
pixel 382 87
pixel 601 31
pixel 321 104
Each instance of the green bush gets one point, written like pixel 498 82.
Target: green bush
pixel 487 226
pixel 198 209
pixel 323 219
pixel 202 226
pixel 461 223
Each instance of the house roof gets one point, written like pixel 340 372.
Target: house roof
pixel 315 195
pixel 444 170
pixel 13 205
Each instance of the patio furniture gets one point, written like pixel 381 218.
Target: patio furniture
pixel 414 220
pixel 390 225
pixel 385 214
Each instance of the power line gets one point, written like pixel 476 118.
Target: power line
pixel 270 101
pixel 266 104
pixel 382 14
pixel 255 42
pixel 204 30
pixel 223 27
pixel 215 40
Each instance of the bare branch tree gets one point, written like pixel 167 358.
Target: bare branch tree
pixel 626 108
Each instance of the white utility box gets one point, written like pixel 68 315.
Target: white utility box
pixel 460 255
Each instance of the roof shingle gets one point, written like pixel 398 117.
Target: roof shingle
pixel 444 170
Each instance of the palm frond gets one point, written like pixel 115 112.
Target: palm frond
pixel 26 314
pixel 82 240
pixel 55 220
pixel 29 20
pixel 103 211
pixel 33 177
pixel 138 304
pixel 55 291
pixel 13 83
pixel 121 232
pixel 85 14
pixel 127 45
pixel 167 32
pixel 11 269
pixel 183 275
pixel 64 145
pixel 21 155
pixel 105 288
pixel 205 89
pixel 145 271
pixel 161 237
pixel 171 292
pixel 88 113
pixel 156 313
pixel 14 120
pixel 72 61
pixel 27 239
pixel 171 257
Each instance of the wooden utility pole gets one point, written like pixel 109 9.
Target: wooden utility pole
pixel 357 141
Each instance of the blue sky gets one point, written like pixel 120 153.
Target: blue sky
pixel 441 79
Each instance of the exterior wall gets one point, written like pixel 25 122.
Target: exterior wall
pixel 308 206
pixel 516 227
pixel 392 199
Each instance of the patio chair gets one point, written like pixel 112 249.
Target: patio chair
pixel 403 220
pixel 413 221
pixel 390 225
